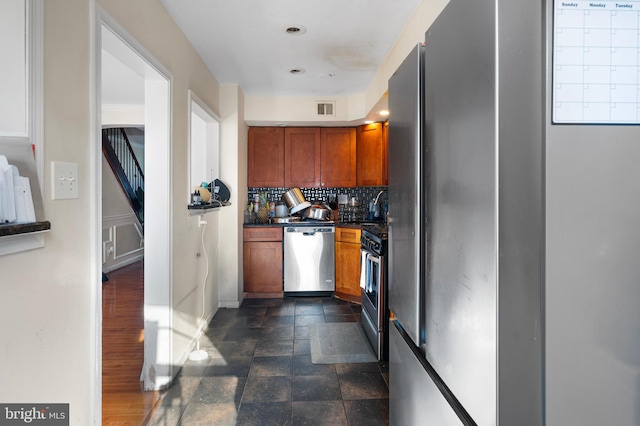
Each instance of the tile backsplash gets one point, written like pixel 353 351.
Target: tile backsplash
pixel 364 194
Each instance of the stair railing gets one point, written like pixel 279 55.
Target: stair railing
pixel 122 159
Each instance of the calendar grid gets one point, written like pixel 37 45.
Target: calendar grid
pixel 596 58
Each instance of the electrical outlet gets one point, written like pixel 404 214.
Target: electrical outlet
pixel 64 182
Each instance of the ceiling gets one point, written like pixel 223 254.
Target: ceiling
pixel 341 44
pixel 245 42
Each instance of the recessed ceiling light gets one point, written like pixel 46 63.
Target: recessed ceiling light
pixel 295 30
pixel 383 112
pixel 368 121
pixel 297 71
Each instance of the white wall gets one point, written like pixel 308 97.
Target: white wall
pixel 13 81
pixel 123 115
pixel 233 172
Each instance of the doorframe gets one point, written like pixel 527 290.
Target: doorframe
pixel 158 371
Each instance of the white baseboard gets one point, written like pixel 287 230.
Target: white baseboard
pixel 229 304
pixel 123 263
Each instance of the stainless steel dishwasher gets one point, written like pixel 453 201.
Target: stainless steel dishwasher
pixel 309 259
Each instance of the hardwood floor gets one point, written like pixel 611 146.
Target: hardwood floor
pixel 123 401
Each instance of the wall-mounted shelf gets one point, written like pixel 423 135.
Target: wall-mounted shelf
pixel 22 236
pixel 206 208
pixel 11 229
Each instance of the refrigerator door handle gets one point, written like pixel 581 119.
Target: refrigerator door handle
pixel 390 256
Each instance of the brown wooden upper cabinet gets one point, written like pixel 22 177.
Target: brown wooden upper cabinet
pixel 372 155
pixel 385 143
pixel 320 157
pixel 311 157
pixel 338 156
pixel 265 157
pixel 302 157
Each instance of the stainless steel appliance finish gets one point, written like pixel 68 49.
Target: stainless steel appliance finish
pixel 480 292
pixel 309 259
pixel 286 219
pixel 531 257
pixel 293 197
pixel 317 212
pixel 414 398
pixel 406 198
pixel 375 310
pixel 461 290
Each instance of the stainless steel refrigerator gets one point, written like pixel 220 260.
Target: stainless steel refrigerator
pixel 513 217
pixel 465 224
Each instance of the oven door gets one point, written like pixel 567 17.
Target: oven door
pixel 371 291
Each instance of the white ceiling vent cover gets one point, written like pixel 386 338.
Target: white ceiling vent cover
pixel 326 108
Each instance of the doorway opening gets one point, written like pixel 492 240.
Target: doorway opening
pixel 150 82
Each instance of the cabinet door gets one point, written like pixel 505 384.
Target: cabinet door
pixel 348 263
pixel 302 157
pixel 265 165
pixel 348 269
pixel 338 157
pixel 263 267
pixel 370 154
pixel 385 150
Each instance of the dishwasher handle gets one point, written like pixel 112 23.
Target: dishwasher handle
pixel 310 231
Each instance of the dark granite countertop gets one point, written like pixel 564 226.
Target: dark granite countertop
pixel 23 228
pixel 355 225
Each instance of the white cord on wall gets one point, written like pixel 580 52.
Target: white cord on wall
pixel 201 354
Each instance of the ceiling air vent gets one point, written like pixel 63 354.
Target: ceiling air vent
pixel 326 108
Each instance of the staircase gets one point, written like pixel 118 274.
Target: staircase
pixel 122 159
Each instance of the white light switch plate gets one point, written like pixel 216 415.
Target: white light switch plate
pixel 64 182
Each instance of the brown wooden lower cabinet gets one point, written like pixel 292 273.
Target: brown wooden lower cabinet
pixel 263 262
pixel 348 264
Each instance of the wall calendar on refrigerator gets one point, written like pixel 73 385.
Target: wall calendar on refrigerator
pixel 596 58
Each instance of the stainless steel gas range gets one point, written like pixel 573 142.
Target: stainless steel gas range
pixel 375 310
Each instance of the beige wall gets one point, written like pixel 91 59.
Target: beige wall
pixel 151 26
pixel 48 296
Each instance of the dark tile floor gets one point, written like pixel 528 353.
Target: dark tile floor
pixel 259 372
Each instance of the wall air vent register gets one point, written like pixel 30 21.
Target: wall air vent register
pixel 326 108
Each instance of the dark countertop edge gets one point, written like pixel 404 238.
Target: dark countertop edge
pixel 10 229
pixel 354 225
pixel 207 207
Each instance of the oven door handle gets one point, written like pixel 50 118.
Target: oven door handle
pixel 364 256
pixel 367 258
